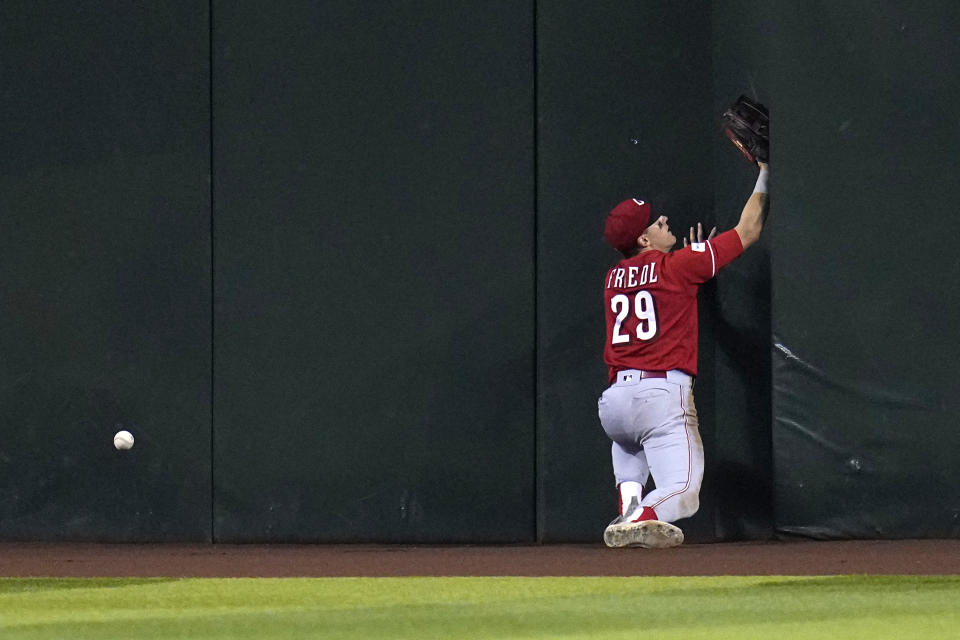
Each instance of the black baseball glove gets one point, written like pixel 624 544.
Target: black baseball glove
pixel 747 124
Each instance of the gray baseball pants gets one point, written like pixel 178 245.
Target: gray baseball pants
pixel 654 428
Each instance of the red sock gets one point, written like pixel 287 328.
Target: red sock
pixel 647 514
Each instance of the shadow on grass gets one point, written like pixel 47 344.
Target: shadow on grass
pixel 865 582
pixel 29 585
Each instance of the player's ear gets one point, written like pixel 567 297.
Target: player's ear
pixel 643 241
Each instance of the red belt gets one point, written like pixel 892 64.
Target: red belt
pixel 647 374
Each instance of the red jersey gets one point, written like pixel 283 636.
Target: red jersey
pixel 651 303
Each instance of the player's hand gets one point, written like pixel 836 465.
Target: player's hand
pixel 698 236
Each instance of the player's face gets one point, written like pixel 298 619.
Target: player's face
pixel 660 236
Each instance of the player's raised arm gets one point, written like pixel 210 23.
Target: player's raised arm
pixel 751 218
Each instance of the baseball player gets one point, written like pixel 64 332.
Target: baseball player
pixel 651 352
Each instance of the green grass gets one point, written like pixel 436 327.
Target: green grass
pixel 676 608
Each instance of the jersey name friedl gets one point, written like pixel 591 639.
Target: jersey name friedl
pixel 631 277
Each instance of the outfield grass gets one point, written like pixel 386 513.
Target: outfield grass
pixel 676 608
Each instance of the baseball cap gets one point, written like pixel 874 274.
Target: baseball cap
pixel 626 222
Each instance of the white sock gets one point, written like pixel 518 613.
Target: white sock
pixel 628 491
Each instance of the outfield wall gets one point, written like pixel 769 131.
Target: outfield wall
pixel 865 270
pixel 624 110
pixel 374 298
pixel 105 262
pixel 339 269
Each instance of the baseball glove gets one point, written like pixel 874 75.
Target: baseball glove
pixel 747 124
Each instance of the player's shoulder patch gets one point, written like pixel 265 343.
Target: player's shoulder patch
pixel 699 247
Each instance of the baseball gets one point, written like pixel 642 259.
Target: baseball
pixel 123 440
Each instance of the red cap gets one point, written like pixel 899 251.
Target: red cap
pixel 626 222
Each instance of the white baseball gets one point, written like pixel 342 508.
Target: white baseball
pixel 123 440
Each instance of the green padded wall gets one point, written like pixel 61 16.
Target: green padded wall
pixel 381 320
pixel 374 248
pixel 624 109
pixel 735 307
pixel 104 250
pixel 865 269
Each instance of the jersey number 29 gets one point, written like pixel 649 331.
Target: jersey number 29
pixel 643 308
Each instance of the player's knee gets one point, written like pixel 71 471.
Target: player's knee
pixel 687 504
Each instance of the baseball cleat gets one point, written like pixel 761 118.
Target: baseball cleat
pixel 647 534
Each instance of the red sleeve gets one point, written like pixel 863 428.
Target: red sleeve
pixel 700 261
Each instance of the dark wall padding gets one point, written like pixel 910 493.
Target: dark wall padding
pixel 865 269
pixel 381 319
pixel 735 307
pixel 624 110
pixel 104 251
pixel 374 252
